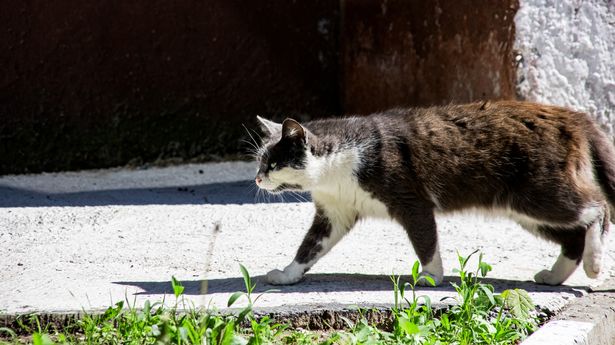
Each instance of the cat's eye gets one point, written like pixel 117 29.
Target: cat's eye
pixel 273 165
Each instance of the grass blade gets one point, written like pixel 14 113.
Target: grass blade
pixel 234 298
pixel 246 278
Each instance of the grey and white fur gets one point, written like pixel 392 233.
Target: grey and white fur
pixel 550 169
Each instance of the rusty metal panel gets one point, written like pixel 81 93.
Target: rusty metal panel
pixel 417 52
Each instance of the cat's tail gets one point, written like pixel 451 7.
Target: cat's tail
pixel 603 156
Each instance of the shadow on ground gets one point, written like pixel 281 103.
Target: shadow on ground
pixel 331 283
pixel 239 192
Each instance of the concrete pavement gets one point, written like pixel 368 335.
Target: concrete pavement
pixel 84 240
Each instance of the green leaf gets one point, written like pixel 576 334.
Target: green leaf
pixel 519 302
pixel 463 261
pixel 429 280
pixel 484 269
pixel 363 333
pixel 246 278
pixel 445 322
pixel 234 298
pixel 426 301
pixel 41 339
pixel 178 288
pixel 415 272
pixel 246 311
pixel 112 312
pixel 147 307
pixel 395 280
pixel 229 334
pixel 405 287
pixel 193 335
pixel 407 326
pixel 487 293
pixel 265 292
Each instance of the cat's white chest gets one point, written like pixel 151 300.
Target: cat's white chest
pixel 338 189
pixel 367 206
pixel 349 197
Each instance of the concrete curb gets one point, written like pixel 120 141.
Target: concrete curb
pixel 315 318
pixel 589 320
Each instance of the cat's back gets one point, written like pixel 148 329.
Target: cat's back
pixel 517 117
pixel 458 136
pixel 489 128
pixel 513 118
pixel 475 151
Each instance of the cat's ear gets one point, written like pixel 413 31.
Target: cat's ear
pixel 269 127
pixel 293 130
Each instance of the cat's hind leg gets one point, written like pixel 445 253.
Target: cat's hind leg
pixel 594 243
pixel 420 225
pixel 326 231
pixel 572 243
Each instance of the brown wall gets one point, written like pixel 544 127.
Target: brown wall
pixel 400 52
pixel 92 84
pixel 99 83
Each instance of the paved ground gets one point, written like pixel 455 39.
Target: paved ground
pixel 85 240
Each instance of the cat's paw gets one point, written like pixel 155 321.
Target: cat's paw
pixel 592 266
pixel 424 282
pixel 277 277
pixel 548 278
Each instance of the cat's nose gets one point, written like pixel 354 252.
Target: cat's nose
pixel 258 180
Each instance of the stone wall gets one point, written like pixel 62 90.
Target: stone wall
pixel 566 55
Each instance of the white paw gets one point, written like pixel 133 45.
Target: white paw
pixel 547 277
pixel 423 282
pixel 592 266
pixel 277 277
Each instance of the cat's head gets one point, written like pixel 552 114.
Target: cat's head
pixel 282 157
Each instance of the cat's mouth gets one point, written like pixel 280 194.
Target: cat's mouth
pixel 284 187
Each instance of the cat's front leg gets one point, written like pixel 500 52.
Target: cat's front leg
pixel 290 275
pixel 326 230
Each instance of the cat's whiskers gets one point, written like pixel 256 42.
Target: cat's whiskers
pixel 253 148
pixel 258 135
pixel 252 190
pixel 255 193
pixel 262 196
pixel 257 151
pixel 299 196
pixel 251 152
pixel 251 137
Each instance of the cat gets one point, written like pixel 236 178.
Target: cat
pixel 550 169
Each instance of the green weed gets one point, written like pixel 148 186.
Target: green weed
pixel 478 316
